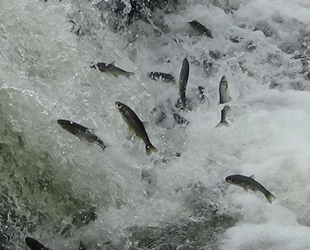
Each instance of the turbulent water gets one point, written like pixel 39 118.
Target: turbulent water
pixel 61 190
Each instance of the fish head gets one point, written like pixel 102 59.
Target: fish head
pixel 33 244
pixel 226 108
pixel 64 123
pixel 224 80
pixel 230 179
pixel 121 107
pixel 102 67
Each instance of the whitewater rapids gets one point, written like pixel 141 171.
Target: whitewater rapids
pixel 61 191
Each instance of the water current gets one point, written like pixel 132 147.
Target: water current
pixel 61 190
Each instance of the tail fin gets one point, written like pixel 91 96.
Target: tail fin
pixel 224 123
pixel 128 74
pixel 150 148
pixel 270 197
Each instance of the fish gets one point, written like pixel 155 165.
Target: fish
pixel 180 119
pixel 111 69
pixel 135 125
pixel 34 244
pixel 162 76
pixel 83 133
pixel 200 28
pixel 82 246
pixel 183 78
pixel 223 116
pixel 249 183
pixel 223 91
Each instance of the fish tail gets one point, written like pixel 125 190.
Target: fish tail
pixel 224 123
pixel 128 74
pixel 270 197
pixel 150 148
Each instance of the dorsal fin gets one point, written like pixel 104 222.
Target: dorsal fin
pixel 113 63
pixel 252 176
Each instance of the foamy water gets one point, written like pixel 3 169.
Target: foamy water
pixel 49 175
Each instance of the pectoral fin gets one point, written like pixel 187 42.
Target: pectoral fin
pixel 245 189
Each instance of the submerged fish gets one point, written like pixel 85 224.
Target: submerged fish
pixel 85 134
pixel 223 116
pixel 249 183
pixel 162 76
pixel 82 246
pixel 223 91
pixel 180 119
pixel 111 69
pixel 135 125
pixel 33 244
pixel 201 29
pixel 183 78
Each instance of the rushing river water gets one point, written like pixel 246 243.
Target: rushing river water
pixel 61 191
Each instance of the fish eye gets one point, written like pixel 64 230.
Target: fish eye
pixel 224 78
pixel 118 105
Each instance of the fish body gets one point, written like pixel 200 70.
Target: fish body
pixel 200 28
pixel 136 125
pixel 223 91
pixel 34 244
pixel 183 78
pixel 162 76
pixel 111 69
pixel 83 133
pixel 224 112
pixel 249 183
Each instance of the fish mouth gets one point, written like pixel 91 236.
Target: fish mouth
pixel 61 122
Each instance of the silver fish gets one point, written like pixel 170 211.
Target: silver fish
pixel 85 134
pixel 183 78
pixel 135 125
pixel 249 183
pixel 223 91
pixel 162 76
pixel 111 69
pixel 223 116
pixel 34 244
pixel 201 29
